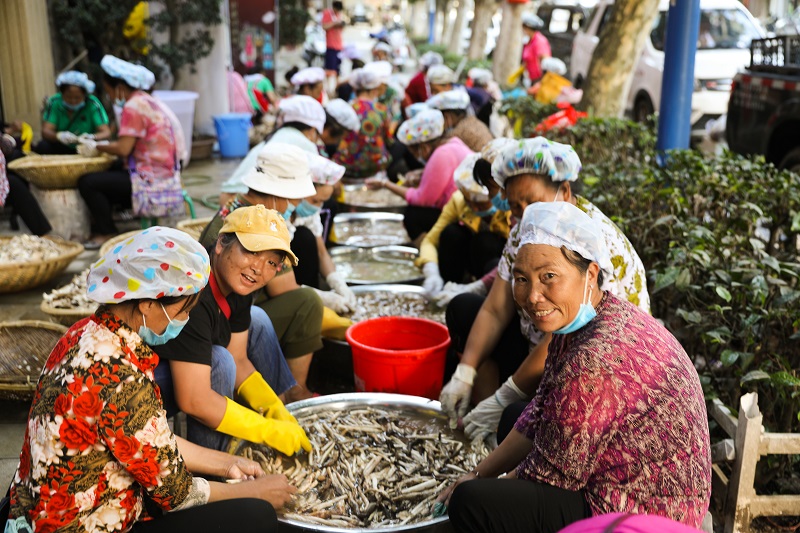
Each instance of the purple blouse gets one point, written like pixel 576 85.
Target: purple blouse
pixel 620 414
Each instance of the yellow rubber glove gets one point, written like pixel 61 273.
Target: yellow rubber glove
pixel 286 437
pixel 334 326
pixel 260 396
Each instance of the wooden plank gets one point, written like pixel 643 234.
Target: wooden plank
pixel 723 452
pixel 719 487
pixel 779 444
pixel 723 416
pixel 740 489
pixel 775 505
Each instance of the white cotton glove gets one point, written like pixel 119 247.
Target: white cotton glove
pixel 451 290
pixel 67 137
pixel 456 394
pixel 333 301
pixel 86 137
pixel 433 280
pixel 482 421
pixel 337 283
pixel 88 150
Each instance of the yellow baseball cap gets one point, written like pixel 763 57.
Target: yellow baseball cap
pixel 259 229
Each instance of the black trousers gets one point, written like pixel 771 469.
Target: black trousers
pixel 418 219
pixel 25 205
pixel 52 148
pixel 102 191
pixel 243 515
pixel 462 252
pixel 509 352
pixel 304 246
pixel 514 505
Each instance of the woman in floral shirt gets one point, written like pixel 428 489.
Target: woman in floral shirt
pixel 618 423
pixel 98 453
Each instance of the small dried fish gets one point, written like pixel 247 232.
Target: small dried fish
pixel 29 249
pixel 72 295
pixel 375 304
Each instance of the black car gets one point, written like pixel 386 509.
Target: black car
pixel 562 20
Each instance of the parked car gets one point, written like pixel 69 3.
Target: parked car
pixel 360 13
pixel 763 114
pixel 726 30
pixel 562 21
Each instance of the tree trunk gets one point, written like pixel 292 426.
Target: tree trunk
pixel 481 22
pixel 419 18
pixel 444 8
pixel 458 27
pixel 508 52
pixel 605 90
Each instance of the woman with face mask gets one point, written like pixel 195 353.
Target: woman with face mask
pixel 71 113
pixel 424 137
pixel 151 183
pixel 485 331
pixel 468 237
pixel 618 423
pixel 99 444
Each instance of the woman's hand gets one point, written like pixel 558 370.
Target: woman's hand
pixel 274 488
pixel 444 497
pixel 412 178
pixel 241 468
pixel 375 183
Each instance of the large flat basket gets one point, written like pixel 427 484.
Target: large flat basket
pixel 58 171
pixel 23 275
pixel 24 348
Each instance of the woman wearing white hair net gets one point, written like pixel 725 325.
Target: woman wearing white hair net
pixel 618 422
pixel 484 331
pixel 99 447
pixel 469 235
pixel 459 119
pixel 365 152
pixel 418 89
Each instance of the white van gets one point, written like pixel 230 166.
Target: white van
pixel 726 29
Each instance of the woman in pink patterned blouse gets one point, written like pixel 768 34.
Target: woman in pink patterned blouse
pixel 618 423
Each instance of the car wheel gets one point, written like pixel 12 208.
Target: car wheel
pixel 792 161
pixel 642 109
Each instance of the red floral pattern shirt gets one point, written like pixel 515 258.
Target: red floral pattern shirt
pixel 97 438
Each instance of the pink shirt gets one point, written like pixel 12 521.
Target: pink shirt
pixel 436 185
pixel 333 36
pixel 537 47
pixel 155 149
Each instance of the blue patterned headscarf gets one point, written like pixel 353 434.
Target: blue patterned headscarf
pixel 76 78
pixel 536 156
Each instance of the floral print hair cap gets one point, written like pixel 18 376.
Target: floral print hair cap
pixel 426 125
pixel 76 78
pixel 415 108
pixel 136 76
pixel 537 156
pixel 154 263
pixel 493 147
pixel 562 224
pixel 465 180
pixel 455 99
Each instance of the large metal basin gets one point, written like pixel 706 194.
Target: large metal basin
pixel 369 229
pixel 358 198
pixel 411 404
pixel 380 264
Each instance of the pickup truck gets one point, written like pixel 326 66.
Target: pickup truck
pixel 764 109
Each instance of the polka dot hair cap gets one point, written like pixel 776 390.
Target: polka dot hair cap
pixel 154 263
pixel 538 156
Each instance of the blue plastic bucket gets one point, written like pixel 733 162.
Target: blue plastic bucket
pixel 232 134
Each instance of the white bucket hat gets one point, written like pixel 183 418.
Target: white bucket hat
pixel 281 170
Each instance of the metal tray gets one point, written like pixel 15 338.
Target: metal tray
pixel 400 255
pixel 410 404
pixel 381 200
pixel 343 222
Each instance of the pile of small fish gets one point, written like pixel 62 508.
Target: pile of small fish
pixel 371 467
pixel 29 249
pixel 370 232
pixel 72 295
pixel 373 198
pixel 374 304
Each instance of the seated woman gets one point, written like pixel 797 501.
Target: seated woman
pixel 424 137
pixel 492 331
pixel 468 237
pixel 98 447
pixel 458 120
pixel 340 118
pixel 151 184
pixel 618 423
pixel 16 194
pixel 71 113
pixel 365 153
pixel 388 95
pixel 309 82
pixel 229 350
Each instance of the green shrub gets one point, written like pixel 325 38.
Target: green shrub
pixel 525 113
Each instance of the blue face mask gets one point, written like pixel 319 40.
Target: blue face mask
pixel 305 209
pixel 152 338
pixel 73 107
pixel 500 203
pixel 487 213
pixel 119 102
pixel 585 314
pixel 289 210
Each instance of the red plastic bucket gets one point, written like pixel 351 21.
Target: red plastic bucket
pixel 396 354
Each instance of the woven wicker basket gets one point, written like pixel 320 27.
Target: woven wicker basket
pixel 114 241
pixel 21 275
pixel 58 171
pixel 194 226
pixel 66 317
pixel 24 348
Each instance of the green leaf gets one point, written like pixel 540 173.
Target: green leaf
pixel 728 357
pixel 755 375
pixel 684 279
pixel 692 317
pixel 666 279
pixel 723 293
pixel 785 379
pixel 772 263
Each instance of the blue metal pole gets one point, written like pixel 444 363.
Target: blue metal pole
pixel 674 117
pixel 431 21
